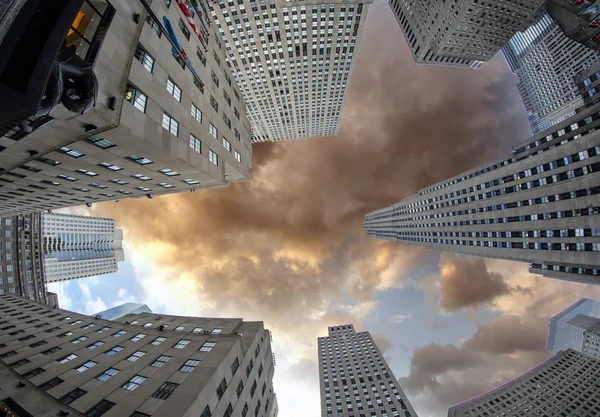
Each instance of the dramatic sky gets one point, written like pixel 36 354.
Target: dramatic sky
pixel 288 247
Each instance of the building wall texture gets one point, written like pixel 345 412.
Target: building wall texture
pixel 157 365
pixel 464 32
pixel 292 61
pixel 546 62
pixel 572 328
pixel 539 204
pixel 567 383
pixel 154 130
pixel 355 379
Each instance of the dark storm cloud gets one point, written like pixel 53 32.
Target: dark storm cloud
pixel 466 282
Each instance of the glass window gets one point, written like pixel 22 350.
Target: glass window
pixel 195 144
pixel 207 346
pixel 86 366
pixel 181 344
pixel 99 409
pixel 134 383
pixel 144 57
pixel 189 365
pixel 196 113
pixel 174 90
pixel 170 124
pixel 160 361
pixel 165 390
pixel 100 142
pixel 136 355
pixel 213 157
pixel 106 375
pixel 136 97
pixel 139 159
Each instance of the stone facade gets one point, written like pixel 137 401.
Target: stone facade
pixel 138 365
pixel 355 378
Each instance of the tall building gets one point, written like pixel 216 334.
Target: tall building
pixel 539 204
pixel 546 62
pixel 463 33
pixel 160 123
pixel 79 246
pixel 21 257
pixel 355 378
pixel 293 78
pixel 577 327
pixel 566 383
pixel 158 365
pixel 124 309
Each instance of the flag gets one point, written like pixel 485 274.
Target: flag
pixel 178 51
pixel 194 4
pixel 190 20
pixel 595 23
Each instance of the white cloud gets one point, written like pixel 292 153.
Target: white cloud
pixel 121 293
pixel 399 318
pixel 64 301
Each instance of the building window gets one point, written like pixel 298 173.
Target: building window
pixel 214 103
pixel 191 181
pixel 169 172
pixel 214 78
pixel 99 409
pixel 72 396
pixel 228 411
pixel 201 56
pixel 206 412
pixel 181 344
pixel 189 366
pixel 95 345
pixel 71 152
pixel 145 58
pixel 160 361
pixel 174 90
pixel 86 366
pixel 114 350
pixel 235 366
pixel 165 391
pixel 139 159
pixel 237 113
pixel 148 324
pixel 154 25
pixel 158 341
pixel 227 121
pixel 253 389
pixel 86 172
pixel 236 134
pixel 238 157
pixel 207 346
pixel 102 330
pixel 48 161
pixel 142 178
pixel 195 144
pixel 19 363
pixel 52 350
pixel 221 389
pixel 134 383
pixel 196 113
pixel 79 340
pixel 184 29
pixel 66 177
pixel 65 334
pixel 136 355
pixel 106 375
pixel 217 330
pixel 136 97
pixel 119 333
pixel 226 144
pixel 170 124
pixel 100 142
pixel 197 330
pixel 50 384
pixel 239 389
pixel 110 166
pixel 213 157
pixel 217 59
pixel 68 358
pixel 213 130
pixel 227 98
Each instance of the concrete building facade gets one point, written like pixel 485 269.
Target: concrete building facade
pixel 546 63
pixel 21 257
pixel 292 60
pixel 463 33
pixel 566 383
pixel 79 246
pixel 577 327
pixel 124 309
pixel 355 379
pixel 156 128
pixel 156 365
pixel 539 204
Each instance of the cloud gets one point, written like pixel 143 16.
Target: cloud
pixel 399 318
pixel 121 293
pixel 382 341
pixel 467 282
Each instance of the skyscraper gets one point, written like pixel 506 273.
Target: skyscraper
pixel 21 257
pixel 546 62
pixel 463 33
pixel 355 378
pixel 577 327
pixel 292 62
pixel 566 383
pixel 79 246
pixel 124 309
pixel 160 124
pixel 579 20
pixel 156 365
pixel 539 204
